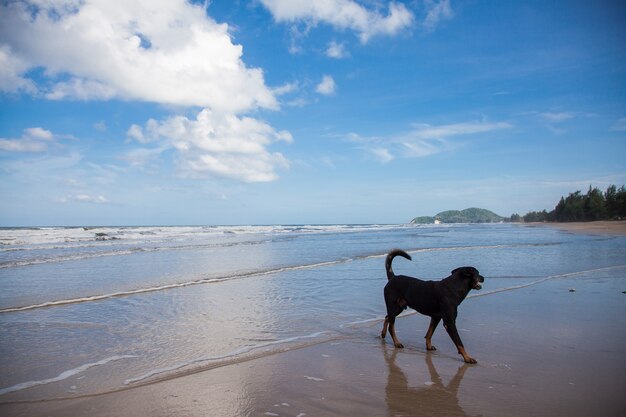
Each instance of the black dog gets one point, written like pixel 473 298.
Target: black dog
pixel 437 299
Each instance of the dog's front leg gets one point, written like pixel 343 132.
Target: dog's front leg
pixel 434 321
pixel 450 326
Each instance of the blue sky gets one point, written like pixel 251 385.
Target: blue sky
pixel 289 111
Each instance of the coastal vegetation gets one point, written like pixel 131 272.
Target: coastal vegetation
pixel 578 207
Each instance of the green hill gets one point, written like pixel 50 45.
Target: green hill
pixel 470 215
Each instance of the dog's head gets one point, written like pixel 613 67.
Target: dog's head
pixel 474 279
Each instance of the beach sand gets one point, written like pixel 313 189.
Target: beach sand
pixel 613 228
pixel 541 350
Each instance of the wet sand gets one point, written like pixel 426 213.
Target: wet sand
pixel 541 350
pixel 613 228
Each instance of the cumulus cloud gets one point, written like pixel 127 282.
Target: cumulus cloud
pixel 12 69
pixel 38 133
pixel 336 50
pixel 216 144
pixel 163 51
pixel 343 14
pixel 286 89
pixel 34 139
pixel 327 86
pixel 437 11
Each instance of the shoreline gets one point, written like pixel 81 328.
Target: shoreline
pixel 600 227
pixel 519 372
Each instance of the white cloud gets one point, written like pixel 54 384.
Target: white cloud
pixel 382 154
pixel 218 144
pixel 12 69
pixel 419 148
pixel 343 14
pixel 426 131
pixel 423 139
pixel 557 117
pixel 84 198
pixel 336 50
pixel 327 86
pixel 163 51
pixel 34 139
pixel 142 157
pixel 437 11
pixel 286 89
pixel 136 132
pixel 22 145
pixel 38 133
pixel 296 34
pixel 81 89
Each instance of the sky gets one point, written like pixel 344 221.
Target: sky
pixel 170 112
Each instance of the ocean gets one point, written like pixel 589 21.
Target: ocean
pixel 99 309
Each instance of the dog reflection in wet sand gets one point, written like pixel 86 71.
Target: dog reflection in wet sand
pixel 434 399
pixel 437 299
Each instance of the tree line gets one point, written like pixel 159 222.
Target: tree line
pixel 578 207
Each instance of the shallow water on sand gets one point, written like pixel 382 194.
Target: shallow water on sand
pixel 85 311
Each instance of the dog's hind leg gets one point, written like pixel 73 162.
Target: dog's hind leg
pixel 392 332
pixel 383 333
pixel 394 308
pixel 434 321
pixel 389 323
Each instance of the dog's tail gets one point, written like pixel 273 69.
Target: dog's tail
pixel 390 256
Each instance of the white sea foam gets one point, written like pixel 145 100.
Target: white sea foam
pixel 167 287
pixel 239 276
pixel 63 375
pixel 37 246
pixel 232 354
pixel 312 378
pixel 119 250
pixel 72 235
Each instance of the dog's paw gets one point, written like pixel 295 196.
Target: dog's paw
pixel 470 360
pixel 399 345
pixel 431 348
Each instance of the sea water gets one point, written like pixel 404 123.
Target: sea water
pixel 92 310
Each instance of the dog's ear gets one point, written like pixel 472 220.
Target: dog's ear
pixel 467 271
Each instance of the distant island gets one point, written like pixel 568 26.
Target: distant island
pixel 469 215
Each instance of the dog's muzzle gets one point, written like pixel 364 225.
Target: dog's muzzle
pixel 477 282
